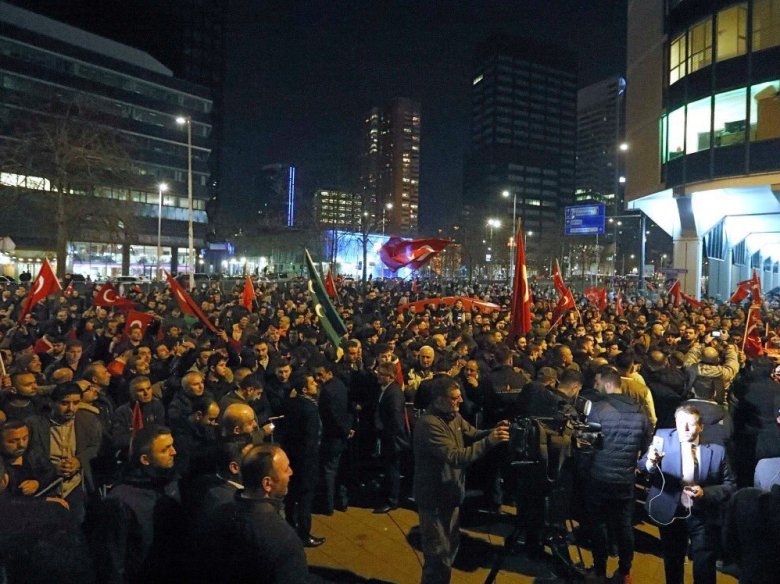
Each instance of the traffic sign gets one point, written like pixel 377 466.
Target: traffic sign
pixel 585 219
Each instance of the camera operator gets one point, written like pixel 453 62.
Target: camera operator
pixel 704 364
pixel 610 478
pixel 440 457
pixel 541 398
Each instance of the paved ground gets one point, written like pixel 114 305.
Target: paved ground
pixel 363 547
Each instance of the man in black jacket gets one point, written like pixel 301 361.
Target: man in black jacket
pixel 393 433
pixel 610 492
pixel 336 431
pixel 302 443
pixel 251 530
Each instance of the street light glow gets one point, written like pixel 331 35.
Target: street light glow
pixel 623 146
pixel 163 186
pixel 181 120
pixel 505 194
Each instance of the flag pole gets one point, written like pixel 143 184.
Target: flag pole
pixel 747 325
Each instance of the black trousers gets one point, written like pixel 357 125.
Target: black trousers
pixel 704 538
pixel 333 472
pixel 610 509
pixel 390 455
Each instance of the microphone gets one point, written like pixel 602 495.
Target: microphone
pixel 658 446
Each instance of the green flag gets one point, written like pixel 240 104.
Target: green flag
pixel 331 322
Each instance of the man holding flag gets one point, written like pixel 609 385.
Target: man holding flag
pixel 521 293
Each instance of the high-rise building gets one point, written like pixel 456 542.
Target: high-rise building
pixel 599 138
pixel 187 36
pixel 390 165
pixel 48 65
pixel 275 195
pixel 523 128
pixel 337 209
pixel 703 130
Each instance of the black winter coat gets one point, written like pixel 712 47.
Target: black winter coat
pixel 627 433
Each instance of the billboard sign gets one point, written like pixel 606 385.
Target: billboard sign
pixel 585 219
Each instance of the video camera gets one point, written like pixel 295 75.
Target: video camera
pixel 532 439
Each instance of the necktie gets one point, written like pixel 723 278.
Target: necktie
pixel 695 465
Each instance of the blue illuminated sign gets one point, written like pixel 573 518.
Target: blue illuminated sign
pixel 585 219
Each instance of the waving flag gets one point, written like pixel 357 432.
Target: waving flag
pixel 742 291
pixel 565 304
pixel 331 322
pixel 187 304
pixel 619 303
pixel 248 295
pixel 69 290
pixel 108 296
pixel 398 253
pixel 675 293
pixel 597 296
pixel 141 319
pixel 755 288
pixel 751 341
pixel 330 285
pixel 558 282
pixel 44 284
pixel 521 294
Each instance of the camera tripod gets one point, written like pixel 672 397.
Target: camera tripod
pixel 555 530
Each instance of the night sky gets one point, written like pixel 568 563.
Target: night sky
pixel 301 74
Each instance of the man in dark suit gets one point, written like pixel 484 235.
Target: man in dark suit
pixel 690 480
pixel 336 431
pixel 301 442
pixel 392 432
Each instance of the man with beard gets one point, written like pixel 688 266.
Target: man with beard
pixel 70 439
pixel 278 386
pixel 140 526
pixel 27 473
pixel 302 443
pixel 22 399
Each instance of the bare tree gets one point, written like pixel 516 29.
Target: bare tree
pixel 69 143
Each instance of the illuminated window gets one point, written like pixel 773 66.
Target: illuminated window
pixel 765 111
pixel 676 134
pixel 730 114
pixel 766 24
pixel 698 126
pixel 700 45
pixel 677 52
pixel 732 32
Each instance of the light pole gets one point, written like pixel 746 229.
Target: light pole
pixel 162 187
pixel 387 207
pixel 492 224
pixel 506 194
pixel 187 120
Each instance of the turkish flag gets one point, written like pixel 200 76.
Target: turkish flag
pixel 187 304
pixel 521 293
pixel 597 296
pixel 44 284
pixel 69 290
pixel 330 285
pixel 135 318
pixel 398 253
pixel 619 303
pixel 751 342
pixel 691 300
pixel 565 304
pixel 755 288
pixel 743 290
pixel 675 293
pixel 108 296
pixel 248 295
pixel 558 282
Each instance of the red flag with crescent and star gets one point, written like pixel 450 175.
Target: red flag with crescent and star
pixel 560 285
pixel 521 294
pixel 399 253
pixel 330 285
pixel 565 304
pixel 107 296
pixel 248 295
pixel 68 292
pixel 187 304
pixel 135 318
pixel 44 284
pixel 619 303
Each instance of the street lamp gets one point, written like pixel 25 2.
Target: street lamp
pixel 492 224
pixel 506 194
pixel 387 207
pixel 162 187
pixel 187 121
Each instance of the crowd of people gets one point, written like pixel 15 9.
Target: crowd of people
pixel 190 451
